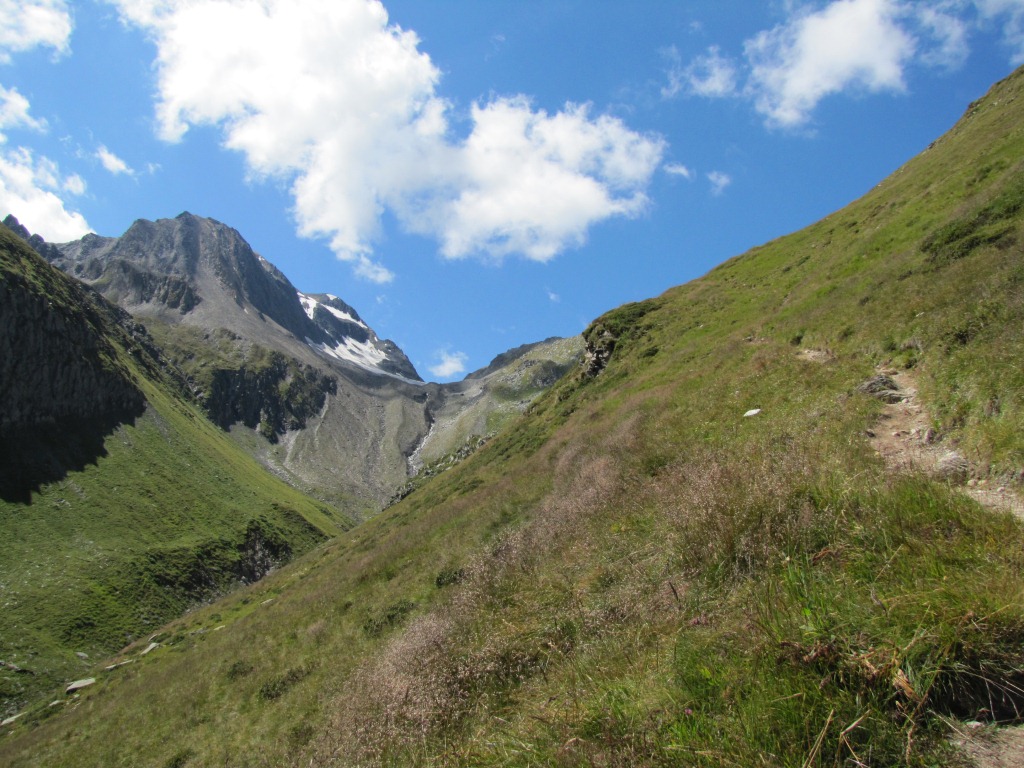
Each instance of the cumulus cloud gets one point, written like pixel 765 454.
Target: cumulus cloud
pixel 451 364
pixel 28 187
pixel 826 48
pixel 532 183
pixel 113 163
pixel 331 97
pixel 850 43
pixel 26 24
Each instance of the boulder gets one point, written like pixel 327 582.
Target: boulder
pixel 952 466
pixel 882 387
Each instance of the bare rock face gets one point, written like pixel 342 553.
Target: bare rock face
pixel 200 272
pixel 63 381
pixel 279 396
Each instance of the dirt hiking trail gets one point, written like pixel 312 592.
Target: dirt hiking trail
pixel 905 440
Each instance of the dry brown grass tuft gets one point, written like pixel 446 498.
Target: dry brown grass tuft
pixel 738 511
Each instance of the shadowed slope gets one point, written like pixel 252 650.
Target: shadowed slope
pixel 122 506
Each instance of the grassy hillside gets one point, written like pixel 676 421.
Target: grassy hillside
pixel 166 513
pixel 636 573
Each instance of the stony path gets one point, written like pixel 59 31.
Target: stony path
pixel 904 439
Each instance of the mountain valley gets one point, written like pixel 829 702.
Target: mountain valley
pixel 340 411
pixel 675 540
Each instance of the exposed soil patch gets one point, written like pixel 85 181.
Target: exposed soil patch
pixel 815 355
pixel 988 747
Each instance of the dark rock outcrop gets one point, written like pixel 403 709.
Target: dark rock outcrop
pixel 35 242
pixel 64 383
pixel 279 396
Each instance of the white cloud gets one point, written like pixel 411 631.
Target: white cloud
pixel 113 163
pixel 828 48
pixel 329 96
pixel 719 181
pixel 949 32
pixel 533 183
pixel 711 74
pixel 26 24
pixel 452 364
pixel 678 169
pixel 74 184
pixel 14 112
pixel 675 72
pixel 1009 14
pixel 29 184
pixel 27 189
pixel 848 44
pixel 553 297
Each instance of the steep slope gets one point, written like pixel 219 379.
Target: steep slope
pixel 120 505
pixel 686 553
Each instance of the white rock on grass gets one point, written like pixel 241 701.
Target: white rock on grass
pixel 80 684
pixel 752 412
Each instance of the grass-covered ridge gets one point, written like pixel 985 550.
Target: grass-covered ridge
pixel 166 514
pixel 637 574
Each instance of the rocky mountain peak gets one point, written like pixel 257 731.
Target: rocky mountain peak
pixel 198 271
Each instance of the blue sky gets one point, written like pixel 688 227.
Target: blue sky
pixel 473 175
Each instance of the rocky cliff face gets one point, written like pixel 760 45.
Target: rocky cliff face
pixel 198 271
pixel 273 398
pixel 63 382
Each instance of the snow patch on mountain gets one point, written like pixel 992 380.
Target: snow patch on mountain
pixel 310 304
pixel 361 354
